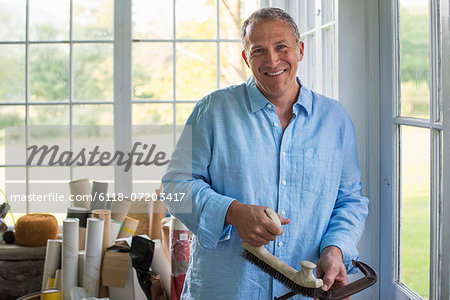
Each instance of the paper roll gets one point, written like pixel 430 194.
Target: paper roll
pixel 51 294
pixel 115 229
pixel 81 191
pixel 81 238
pixel 165 232
pixel 161 265
pixel 119 209
pixel 99 193
pixel 52 260
pixel 78 293
pixel 128 228
pixel 82 213
pixel 157 213
pixel 105 215
pixel 93 256
pixel 69 256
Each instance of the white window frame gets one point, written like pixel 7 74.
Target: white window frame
pixel 391 287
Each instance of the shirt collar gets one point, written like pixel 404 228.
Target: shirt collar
pixel 258 101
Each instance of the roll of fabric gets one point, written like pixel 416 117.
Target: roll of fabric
pixel 128 228
pixel 119 209
pixel 161 266
pixel 34 230
pixel 81 192
pixel 69 256
pixel 51 294
pixel 52 261
pixel 180 242
pixel 99 193
pixel 93 256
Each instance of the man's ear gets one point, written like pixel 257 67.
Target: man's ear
pixel 301 48
pixel 244 56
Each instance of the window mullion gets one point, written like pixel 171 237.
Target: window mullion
pixel 318 50
pixel 122 90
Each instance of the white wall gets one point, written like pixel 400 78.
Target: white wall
pixel 358 40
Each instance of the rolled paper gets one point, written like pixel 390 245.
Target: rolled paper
pixel 81 238
pixel 52 260
pixel 165 232
pixel 82 213
pixel 81 255
pixel 128 228
pixel 78 293
pixel 81 192
pixel 93 257
pixel 105 215
pixel 119 209
pixel 115 228
pixel 157 213
pixel 161 265
pixel 69 256
pixel 99 193
pixel 51 294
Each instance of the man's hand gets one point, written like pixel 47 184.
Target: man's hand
pixel 252 223
pixel 332 270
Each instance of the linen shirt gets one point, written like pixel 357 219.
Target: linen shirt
pixel 233 148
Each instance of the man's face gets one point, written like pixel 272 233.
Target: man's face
pixel 273 56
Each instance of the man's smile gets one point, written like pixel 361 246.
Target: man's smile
pixel 275 73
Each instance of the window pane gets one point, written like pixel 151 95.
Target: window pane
pixel 49 20
pixel 195 19
pixel 415 209
pixel 233 69
pixel 49 72
pixel 12 73
pixel 232 14
pixel 93 20
pixel 196 70
pixel 49 114
pixel 12 116
pixel 414 59
pixel 302 13
pixel 153 71
pixel 99 114
pixel 327 11
pixel 14 187
pixel 183 112
pixel 328 61
pixel 310 15
pixel 152 19
pixel 94 66
pixel 12 14
pixel 152 114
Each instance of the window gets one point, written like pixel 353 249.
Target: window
pixel 106 62
pixel 318 26
pixel 412 218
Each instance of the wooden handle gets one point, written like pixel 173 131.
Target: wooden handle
pixel 272 215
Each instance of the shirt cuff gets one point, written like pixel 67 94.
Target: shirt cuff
pixel 347 247
pixel 212 228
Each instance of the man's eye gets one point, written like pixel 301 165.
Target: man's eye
pixel 281 46
pixel 257 51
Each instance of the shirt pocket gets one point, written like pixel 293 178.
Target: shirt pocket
pixel 320 170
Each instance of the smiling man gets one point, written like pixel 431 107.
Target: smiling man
pixel 270 142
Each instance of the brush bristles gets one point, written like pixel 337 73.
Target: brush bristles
pixel 298 289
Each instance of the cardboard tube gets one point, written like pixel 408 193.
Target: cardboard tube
pixel 78 189
pixel 99 193
pixel 119 209
pixel 93 257
pixel 51 294
pixel 128 228
pixel 52 260
pixel 157 213
pixel 115 229
pixel 105 215
pixel 165 232
pixel 69 256
pixel 161 265
pixel 81 213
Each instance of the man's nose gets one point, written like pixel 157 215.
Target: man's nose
pixel 272 58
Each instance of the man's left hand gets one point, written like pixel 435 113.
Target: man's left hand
pixel 331 269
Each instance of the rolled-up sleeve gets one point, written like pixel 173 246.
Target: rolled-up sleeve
pixel 202 209
pixel 351 208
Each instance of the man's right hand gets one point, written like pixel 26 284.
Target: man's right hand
pixel 252 223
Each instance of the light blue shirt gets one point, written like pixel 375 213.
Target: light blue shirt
pixel 308 173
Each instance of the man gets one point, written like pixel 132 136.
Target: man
pixel 270 142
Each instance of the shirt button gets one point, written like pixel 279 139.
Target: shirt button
pixel 275 124
pixel 283 182
pixel 280 244
pixel 284 153
pixel 269 106
pixel 283 213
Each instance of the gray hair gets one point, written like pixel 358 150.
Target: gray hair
pixel 268 14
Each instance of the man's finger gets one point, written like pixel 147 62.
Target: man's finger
pixel 329 279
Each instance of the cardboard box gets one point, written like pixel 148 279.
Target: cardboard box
pixel 120 277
